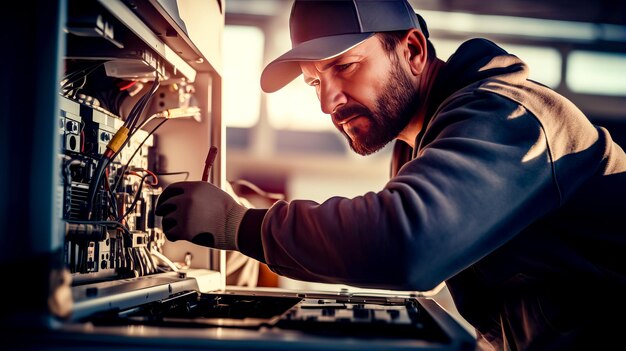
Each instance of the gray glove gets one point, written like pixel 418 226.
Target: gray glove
pixel 201 213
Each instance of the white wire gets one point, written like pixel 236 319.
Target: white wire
pixel 164 259
pixel 256 189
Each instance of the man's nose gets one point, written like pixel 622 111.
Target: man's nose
pixel 331 96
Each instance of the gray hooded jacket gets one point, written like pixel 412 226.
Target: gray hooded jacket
pixel 512 197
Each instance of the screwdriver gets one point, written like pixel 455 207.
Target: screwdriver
pixel 208 163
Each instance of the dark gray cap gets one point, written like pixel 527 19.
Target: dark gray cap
pixel 324 29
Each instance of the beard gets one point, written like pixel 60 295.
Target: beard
pixel 394 109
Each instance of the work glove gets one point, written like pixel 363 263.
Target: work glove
pixel 200 212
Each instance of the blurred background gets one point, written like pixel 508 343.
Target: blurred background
pixel 282 143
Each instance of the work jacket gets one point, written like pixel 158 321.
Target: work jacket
pixel 511 196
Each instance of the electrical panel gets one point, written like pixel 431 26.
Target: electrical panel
pixel 124 75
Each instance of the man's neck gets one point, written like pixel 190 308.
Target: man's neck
pixel 426 82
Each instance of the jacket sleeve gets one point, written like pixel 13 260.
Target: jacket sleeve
pixel 482 174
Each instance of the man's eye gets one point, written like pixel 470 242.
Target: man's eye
pixel 344 66
pixel 314 83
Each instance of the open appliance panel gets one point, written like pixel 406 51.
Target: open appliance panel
pixel 307 318
pixel 253 319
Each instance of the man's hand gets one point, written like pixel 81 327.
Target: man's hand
pixel 201 213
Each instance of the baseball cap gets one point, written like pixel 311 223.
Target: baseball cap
pixel 322 29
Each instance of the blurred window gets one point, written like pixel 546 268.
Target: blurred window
pixel 481 25
pixel 544 63
pixel 242 69
pixel 297 107
pixel 599 73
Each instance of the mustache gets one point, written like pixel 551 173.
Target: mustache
pixel 348 111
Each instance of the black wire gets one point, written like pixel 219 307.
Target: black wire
pixel 122 171
pixel 119 248
pixel 88 68
pixel 82 74
pixel 95 184
pixel 67 172
pixel 113 203
pixel 125 167
pixel 186 173
pixel 136 199
pixel 155 86
pixel 137 110
pixel 134 116
pixel 104 161
pixel 68 85
pixel 116 224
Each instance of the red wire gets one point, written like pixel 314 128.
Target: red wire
pixel 155 180
pixel 127 85
pixel 154 176
pixel 106 177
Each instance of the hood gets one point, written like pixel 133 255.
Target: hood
pixel 475 60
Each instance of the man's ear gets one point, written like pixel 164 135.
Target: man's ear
pixel 415 50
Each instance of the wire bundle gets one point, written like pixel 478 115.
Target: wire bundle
pixel 117 143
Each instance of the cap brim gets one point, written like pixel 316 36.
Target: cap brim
pixel 286 68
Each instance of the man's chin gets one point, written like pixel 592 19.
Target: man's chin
pixel 363 149
pixel 364 146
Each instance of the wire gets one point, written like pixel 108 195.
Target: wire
pixel 127 85
pixel 129 258
pixel 186 173
pixel 106 158
pixel 151 264
pixel 116 224
pixel 137 110
pixel 256 189
pixel 138 261
pixel 164 259
pixel 136 199
pixel 89 68
pixel 154 176
pixel 113 212
pixel 148 120
pixel 133 116
pixel 95 183
pixel 120 260
pixel 75 90
pixel 155 180
pixel 67 172
pixel 125 167
pixel 75 76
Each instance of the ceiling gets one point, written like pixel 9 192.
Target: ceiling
pixel 592 11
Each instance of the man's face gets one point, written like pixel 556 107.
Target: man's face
pixel 369 95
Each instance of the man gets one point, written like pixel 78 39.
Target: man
pixel 500 187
